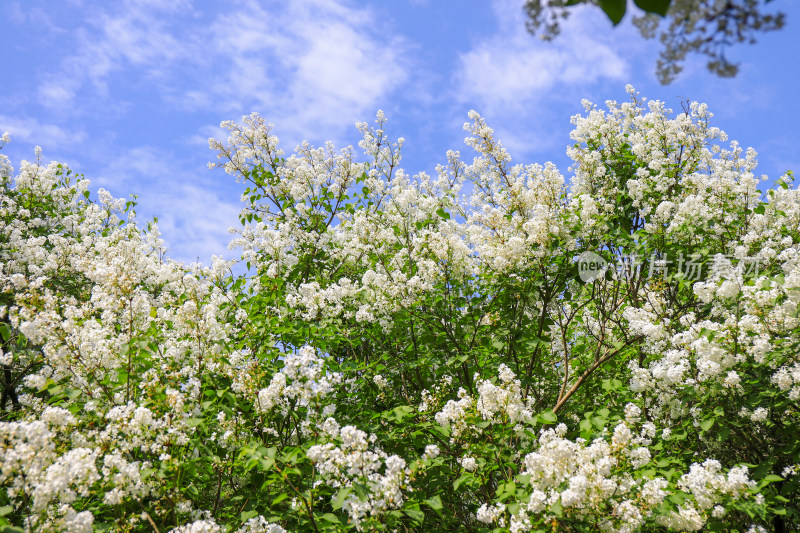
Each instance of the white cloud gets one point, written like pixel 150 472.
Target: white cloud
pixel 195 221
pixel 200 139
pixel 193 215
pixel 35 132
pixel 512 68
pixel 137 34
pixel 524 85
pixel 57 93
pixel 14 12
pixel 778 155
pixel 307 65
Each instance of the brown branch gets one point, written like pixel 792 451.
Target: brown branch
pixel 147 516
pixel 588 372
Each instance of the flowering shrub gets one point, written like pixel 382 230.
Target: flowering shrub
pixel 413 352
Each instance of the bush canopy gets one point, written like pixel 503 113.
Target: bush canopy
pixel 490 348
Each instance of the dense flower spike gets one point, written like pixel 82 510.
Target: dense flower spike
pixel 490 348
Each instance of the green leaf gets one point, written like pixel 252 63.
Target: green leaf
pixel 653 6
pixel 677 498
pixel 611 384
pixel 247 515
pixel 434 503
pixel 5 331
pixel 279 498
pixel 506 489
pixel 464 477
pixel 548 417
pixel 705 425
pixel 341 496
pixel 267 463
pixel 415 514
pixel 615 9
pixel 7 509
pixel 401 412
pixel 193 422
pixel 557 509
pixel 330 517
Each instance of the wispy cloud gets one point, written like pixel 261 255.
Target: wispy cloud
pixel 517 80
pixel 137 35
pixel 511 68
pixel 193 215
pixel 33 131
pixel 14 13
pixel 307 65
pixel 195 221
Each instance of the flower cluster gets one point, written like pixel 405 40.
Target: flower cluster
pixel 353 461
pixel 601 482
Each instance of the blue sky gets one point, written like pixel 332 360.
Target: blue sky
pixel 128 92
